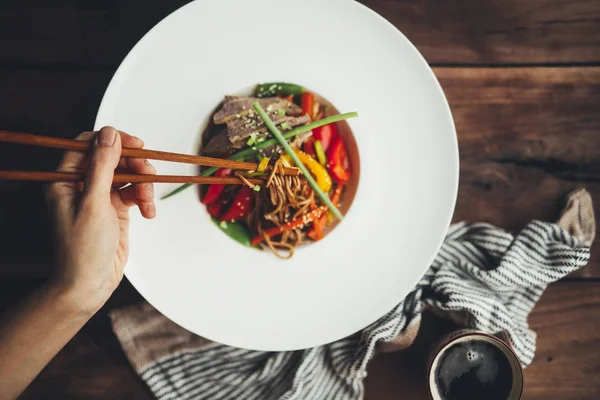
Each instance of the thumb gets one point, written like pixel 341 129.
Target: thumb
pixel 103 161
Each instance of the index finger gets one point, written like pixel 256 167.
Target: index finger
pixel 128 140
pixel 141 194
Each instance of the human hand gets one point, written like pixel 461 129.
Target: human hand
pixel 92 219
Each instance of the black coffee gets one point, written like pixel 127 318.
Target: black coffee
pixel 474 370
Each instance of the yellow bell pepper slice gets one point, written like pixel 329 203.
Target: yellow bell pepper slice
pixel 262 165
pixel 317 170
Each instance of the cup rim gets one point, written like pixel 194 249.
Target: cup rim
pixel 499 342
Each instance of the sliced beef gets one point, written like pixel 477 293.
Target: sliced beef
pixel 241 121
pixel 218 146
pixel 293 110
pixel 238 107
pixel 240 129
pixel 221 144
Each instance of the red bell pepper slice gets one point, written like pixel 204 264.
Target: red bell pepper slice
pixel 309 147
pixel 338 161
pixel 325 134
pixel 214 209
pixel 241 206
pixel 307 101
pixel 317 229
pixel 214 191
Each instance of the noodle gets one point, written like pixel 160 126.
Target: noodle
pixel 244 180
pixel 286 197
pixel 273 171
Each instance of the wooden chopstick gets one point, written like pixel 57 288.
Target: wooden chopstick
pixel 121 178
pixel 29 139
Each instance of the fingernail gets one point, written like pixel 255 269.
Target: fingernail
pixel 151 210
pixel 107 136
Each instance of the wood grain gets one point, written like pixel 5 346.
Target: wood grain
pixel 568 353
pixel 498 31
pixel 527 137
pixel 92 33
pixel 72 33
pixel 565 366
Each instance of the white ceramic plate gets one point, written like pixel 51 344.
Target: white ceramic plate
pixel 165 90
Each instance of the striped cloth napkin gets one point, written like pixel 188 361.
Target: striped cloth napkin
pixel 483 277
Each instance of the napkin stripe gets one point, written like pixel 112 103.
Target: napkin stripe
pixel 493 276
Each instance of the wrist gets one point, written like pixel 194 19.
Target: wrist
pixel 74 299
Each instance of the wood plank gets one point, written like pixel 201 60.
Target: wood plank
pixel 100 33
pixel 565 366
pixel 527 137
pixel 91 33
pixel 498 31
pixel 568 352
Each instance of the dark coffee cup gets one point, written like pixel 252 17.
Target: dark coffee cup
pixel 473 365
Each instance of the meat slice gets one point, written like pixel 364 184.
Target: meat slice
pixel 218 146
pixel 237 107
pixel 240 129
pixel 222 143
pixel 241 122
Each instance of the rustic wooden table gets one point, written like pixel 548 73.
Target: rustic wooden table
pixel 523 82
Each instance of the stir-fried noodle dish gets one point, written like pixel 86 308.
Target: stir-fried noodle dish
pixel 306 171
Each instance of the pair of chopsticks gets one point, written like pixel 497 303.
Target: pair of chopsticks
pixel 82 146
